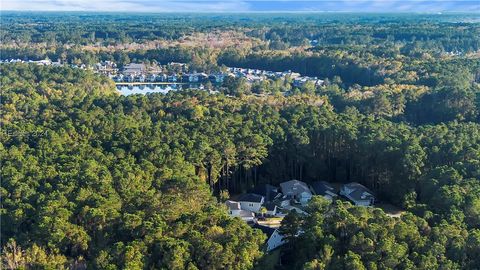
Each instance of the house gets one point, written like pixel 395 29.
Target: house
pixel 201 77
pixel 271 208
pixel 274 238
pixel 134 69
pixel 216 78
pixel 300 81
pixel 324 189
pixel 194 77
pixel 297 190
pixel 319 82
pixel 252 202
pixel 294 75
pixel 235 210
pixel 161 78
pixel 152 78
pixel 130 78
pixel 253 78
pixel 140 78
pixel 358 194
pixel 45 62
pixel 186 77
pixel 118 78
pixel 284 201
pixel 269 192
pixel 57 64
pixel 172 78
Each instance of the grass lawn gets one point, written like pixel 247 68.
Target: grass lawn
pixel 272 222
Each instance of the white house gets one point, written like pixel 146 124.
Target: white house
pixel 274 238
pixel 251 202
pixel 358 194
pixel 235 210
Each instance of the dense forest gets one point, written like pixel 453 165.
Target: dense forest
pixel 92 176
pixel 92 179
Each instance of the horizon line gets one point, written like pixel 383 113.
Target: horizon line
pixel 245 12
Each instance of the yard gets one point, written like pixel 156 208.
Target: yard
pixel 390 209
pixel 273 222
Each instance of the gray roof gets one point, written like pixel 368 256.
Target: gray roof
pixel 294 187
pixel 232 205
pixel 250 197
pixel 266 190
pixel 133 68
pixel 246 213
pixel 135 65
pixel 361 195
pixel 360 192
pixel 321 188
pixel 266 230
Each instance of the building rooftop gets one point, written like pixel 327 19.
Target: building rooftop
pixel 250 197
pixel 321 188
pixel 294 187
pixel 246 214
pixel 359 191
pixel 265 229
pixel 232 205
pixel 134 68
pixel 266 190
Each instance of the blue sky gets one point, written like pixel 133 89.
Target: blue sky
pixel 245 5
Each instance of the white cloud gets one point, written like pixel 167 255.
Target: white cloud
pixel 124 5
pixel 241 5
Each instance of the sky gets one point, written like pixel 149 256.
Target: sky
pixel 244 5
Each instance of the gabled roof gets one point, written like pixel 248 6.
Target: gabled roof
pixel 246 214
pixel 306 194
pixel 266 230
pixel 134 67
pixel 233 205
pixel 321 188
pixel 359 192
pixel 294 187
pixel 266 190
pixel 250 197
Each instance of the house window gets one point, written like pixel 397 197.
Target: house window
pixel 251 204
